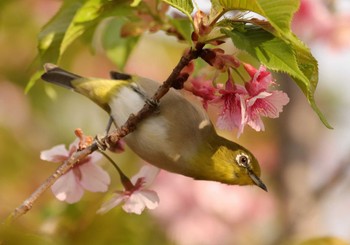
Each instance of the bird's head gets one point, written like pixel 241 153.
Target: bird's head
pixel 236 165
pixel 232 164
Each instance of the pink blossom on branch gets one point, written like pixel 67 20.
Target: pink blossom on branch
pixel 203 88
pixel 262 101
pixel 241 105
pixel 86 175
pixel 246 105
pixel 136 195
pixel 230 103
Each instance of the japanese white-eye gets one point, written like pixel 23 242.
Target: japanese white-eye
pixel 179 137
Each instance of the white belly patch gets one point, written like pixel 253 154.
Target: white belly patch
pixel 151 134
pixel 126 102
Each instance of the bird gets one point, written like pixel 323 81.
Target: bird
pixel 179 137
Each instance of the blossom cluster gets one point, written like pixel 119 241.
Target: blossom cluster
pixel 90 176
pixel 242 105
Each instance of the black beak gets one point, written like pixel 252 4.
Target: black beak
pixel 257 181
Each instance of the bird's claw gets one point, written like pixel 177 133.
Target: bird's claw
pixel 152 102
pixel 102 142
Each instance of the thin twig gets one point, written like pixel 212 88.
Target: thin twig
pixel 62 169
pixel 112 138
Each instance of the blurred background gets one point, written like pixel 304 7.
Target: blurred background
pixel 304 164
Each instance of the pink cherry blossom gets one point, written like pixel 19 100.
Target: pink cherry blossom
pixel 202 88
pixel 241 105
pixel 261 100
pixel 230 102
pixel 260 79
pixel 246 105
pixel 136 197
pixel 86 175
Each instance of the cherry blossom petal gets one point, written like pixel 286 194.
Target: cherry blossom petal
pixel 251 70
pixel 268 104
pixel 263 77
pixel 115 200
pixel 74 144
pixel 136 198
pixel 231 115
pixel 261 95
pixel 278 99
pixel 242 122
pixel 148 173
pixel 204 89
pixel 149 198
pixel 256 123
pixel 137 201
pixel 134 204
pixel 228 119
pixel 57 153
pixel 260 80
pixel 95 157
pixel 94 178
pixel 67 188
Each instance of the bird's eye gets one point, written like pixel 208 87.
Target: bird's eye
pixel 242 160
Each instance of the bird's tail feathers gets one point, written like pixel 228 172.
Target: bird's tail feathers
pixel 56 75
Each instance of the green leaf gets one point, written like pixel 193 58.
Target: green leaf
pixel 50 91
pixel 74 19
pixel 83 20
pixel 308 65
pixel 185 6
pixel 184 27
pixel 271 51
pixel 52 34
pixel 118 49
pixel 33 79
pixel 278 12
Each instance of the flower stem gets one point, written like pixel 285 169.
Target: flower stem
pixel 239 74
pixel 123 178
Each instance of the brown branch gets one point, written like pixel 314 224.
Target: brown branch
pixel 62 169
pixel 113 137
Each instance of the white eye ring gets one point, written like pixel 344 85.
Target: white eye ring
pixel 243 160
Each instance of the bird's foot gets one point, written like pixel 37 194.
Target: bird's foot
pixel 102 142
pixel 152 103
